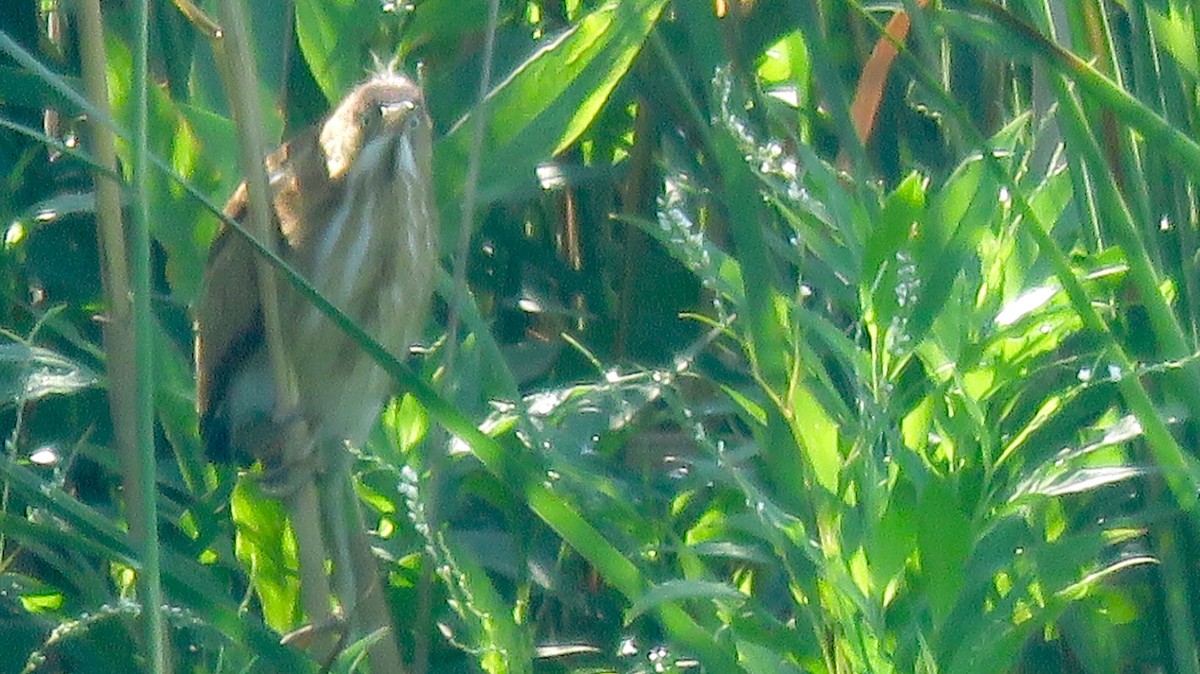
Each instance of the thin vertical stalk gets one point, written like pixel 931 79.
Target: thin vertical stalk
pixel 128 331
pixel 139 241
pixel 118 336
pixel 144 348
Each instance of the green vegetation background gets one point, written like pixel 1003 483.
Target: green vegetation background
pixel 765 388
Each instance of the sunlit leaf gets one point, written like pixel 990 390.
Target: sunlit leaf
pixel 266 545
pixel 546 103
pixel 943 543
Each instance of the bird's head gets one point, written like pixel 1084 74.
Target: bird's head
pixel 386 107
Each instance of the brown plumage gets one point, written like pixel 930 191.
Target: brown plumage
pixel 355 214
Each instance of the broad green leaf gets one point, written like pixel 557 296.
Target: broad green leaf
pixel 753 409
pixel 893 539
pixel 1051 197
pixel 545 104
pixel 764 311
pixel 271 38
pixel 177 222
pixel 818 437
pixel 23 88
pixel 902 211
pixel 947 242
pixel 265 544
pixel 943 543
pixel 890 278
pixel 333 35
pixel 449 24
pixel 786 61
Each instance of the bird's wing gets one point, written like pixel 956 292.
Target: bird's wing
pixel 229 327
pixel 228 316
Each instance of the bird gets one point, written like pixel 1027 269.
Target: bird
pixel 354 213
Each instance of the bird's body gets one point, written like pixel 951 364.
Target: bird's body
pixel 354 211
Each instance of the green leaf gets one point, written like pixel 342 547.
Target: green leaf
pixel 889 270
pixel 902 210
pixel 894 538
pixel 948 238
pixel 943 542
pixel 175 404
pixel 334 36
pixel 679 590
pixel 171 138
pixel 25 89
pixel 264 543
pixel 1174 29
pixel 786 61
pixel 545 104
pixel 818 435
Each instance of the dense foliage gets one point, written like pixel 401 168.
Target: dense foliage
pixel 804 337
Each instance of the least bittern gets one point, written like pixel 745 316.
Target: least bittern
pixel 355 214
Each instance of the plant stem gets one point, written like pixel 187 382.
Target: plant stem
pixel 128 333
